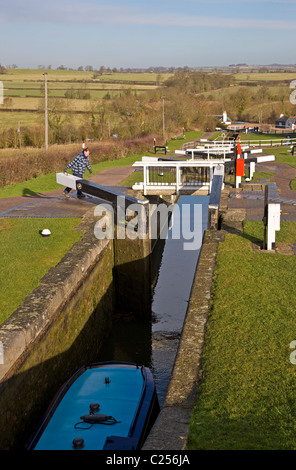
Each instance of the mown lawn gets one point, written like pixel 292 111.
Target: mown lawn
pixel 247 385
pixel 26 256
pixel 46 183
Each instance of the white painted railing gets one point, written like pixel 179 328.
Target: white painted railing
pixel 255 143
pixel 208 151
pixel 188 174
pixel 176 174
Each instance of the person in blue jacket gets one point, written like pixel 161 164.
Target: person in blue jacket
pixel 78 165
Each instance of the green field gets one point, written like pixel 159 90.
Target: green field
pixel 74 75
pixel 268 76
pixel 24 91
pixel 97 105
pixel 26 256
pixel 247 394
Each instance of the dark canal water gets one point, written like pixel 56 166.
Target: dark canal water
pixel 174 260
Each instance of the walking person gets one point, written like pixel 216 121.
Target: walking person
pixel 78 165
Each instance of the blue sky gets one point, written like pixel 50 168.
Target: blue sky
pixel 143 33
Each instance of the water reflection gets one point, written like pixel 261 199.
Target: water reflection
pixel 172 289
pixel 155 344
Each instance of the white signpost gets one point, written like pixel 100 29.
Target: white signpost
pixel 271 220
pixel 273 223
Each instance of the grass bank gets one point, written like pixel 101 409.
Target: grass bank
pixel 247 385
pixel 47 182
pixel 18 166
pixel 26 256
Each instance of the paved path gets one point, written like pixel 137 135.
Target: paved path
pixel 55 204
pixel 112 176
pixel 253 201
pixel 283 179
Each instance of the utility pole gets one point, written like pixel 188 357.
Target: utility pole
pixel 163 123
pixel 19 134
pixel 1 93
pixel 46 112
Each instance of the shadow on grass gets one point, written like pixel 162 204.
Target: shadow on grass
pixel 29 193
pixel 257 239
pixel 253 239
pixel 32 194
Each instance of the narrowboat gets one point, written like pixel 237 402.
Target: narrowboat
pixel 103 406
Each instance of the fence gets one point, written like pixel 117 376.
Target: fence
pixel 250 143
pixel 176 175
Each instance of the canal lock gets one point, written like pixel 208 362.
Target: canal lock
pixel 66 321
pixel 155 343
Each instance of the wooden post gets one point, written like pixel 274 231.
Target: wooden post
pixel 163 122
pixel 19 134
pixel 46 112
pixel 1 93
pixel 178 179
pixel 265 217
pixel 146 170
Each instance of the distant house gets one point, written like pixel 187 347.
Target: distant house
pixel 224 118
pixel 284 122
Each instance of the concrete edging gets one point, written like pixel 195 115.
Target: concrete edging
pixel 38 309
pixel 170 431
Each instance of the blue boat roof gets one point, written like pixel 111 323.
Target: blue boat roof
pixel 119 398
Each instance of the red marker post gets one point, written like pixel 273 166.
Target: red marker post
pixel 239 165
pixel 238 150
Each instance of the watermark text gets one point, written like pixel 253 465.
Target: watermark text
pixel 141 221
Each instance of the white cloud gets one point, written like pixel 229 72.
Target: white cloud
pixel 69 13
pixel 209 21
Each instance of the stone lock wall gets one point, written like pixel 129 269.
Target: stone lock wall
pixel 59 327
pixel 64 323
pixel 171 427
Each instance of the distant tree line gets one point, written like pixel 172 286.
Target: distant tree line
pixel 198 82
pixel 26 164
pixel 77 94
pixel 190 101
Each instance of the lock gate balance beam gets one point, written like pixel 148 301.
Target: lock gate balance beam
pixel 132 257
